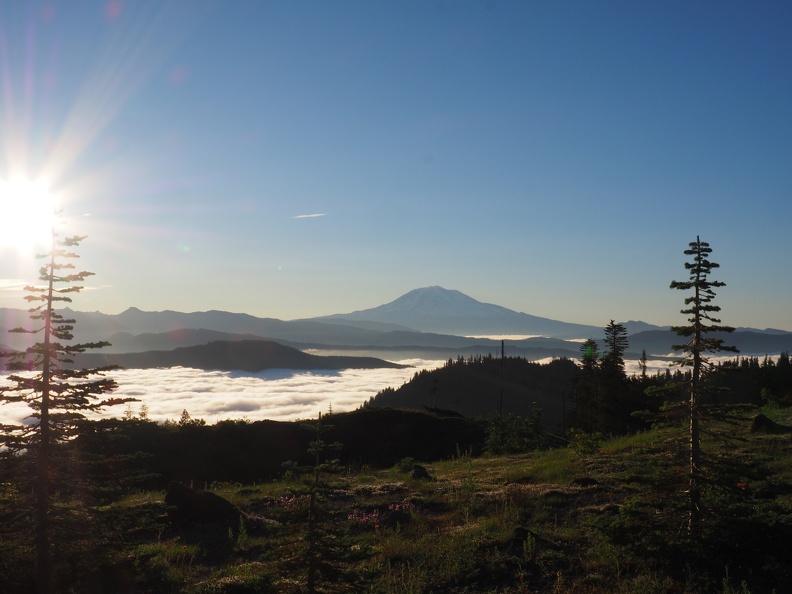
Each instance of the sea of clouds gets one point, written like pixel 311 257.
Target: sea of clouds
pixel 279 394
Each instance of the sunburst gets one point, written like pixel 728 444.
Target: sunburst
pixel 27 214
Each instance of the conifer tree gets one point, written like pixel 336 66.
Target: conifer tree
pixel 589 355
pixel 585 415
pixel 701 325
pixel 614 391
pixel 616 345
pixel 602 398
pixel 324 554
pixel 319 553
pixel 642 365
pixel 58 395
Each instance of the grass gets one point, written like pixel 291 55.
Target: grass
pixel 554 521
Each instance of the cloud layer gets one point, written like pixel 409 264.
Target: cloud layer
pixel 281 395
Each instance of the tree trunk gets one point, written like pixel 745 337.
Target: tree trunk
pixel 43 554
pixel 694 486
pixel 43 550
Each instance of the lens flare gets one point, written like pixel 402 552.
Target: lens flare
pixel 27 214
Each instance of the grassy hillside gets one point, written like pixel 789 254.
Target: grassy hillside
pixel 594 517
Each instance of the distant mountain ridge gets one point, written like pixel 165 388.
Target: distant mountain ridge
pixel 432 322
pixel 749 343
pixel 93 326
pixel 448 311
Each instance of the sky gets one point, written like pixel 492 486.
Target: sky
pixel 297 159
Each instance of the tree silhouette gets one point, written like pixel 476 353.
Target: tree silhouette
pixel 614 391
pixel 58 396
pixel 701 323
pixel 601 393
pixel 585 391
pixel 642 365
pixel 324 554
pixel 616 344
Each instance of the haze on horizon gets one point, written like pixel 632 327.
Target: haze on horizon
pixel 292 160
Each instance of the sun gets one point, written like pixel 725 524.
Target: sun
pixel 27 214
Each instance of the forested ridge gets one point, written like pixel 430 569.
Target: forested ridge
pixel 480 386
pixel 241 355
pixel 571 394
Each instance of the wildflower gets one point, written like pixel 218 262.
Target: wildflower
pixel 363 517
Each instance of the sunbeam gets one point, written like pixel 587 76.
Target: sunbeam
pixel 28 208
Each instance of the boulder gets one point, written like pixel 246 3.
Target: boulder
pixel 421 474
pixel 764 424
pixel 188 506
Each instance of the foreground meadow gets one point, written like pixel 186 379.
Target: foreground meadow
pixel 593 517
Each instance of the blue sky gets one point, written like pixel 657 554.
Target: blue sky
pixel 552 157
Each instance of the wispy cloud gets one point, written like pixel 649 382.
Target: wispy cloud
pixel 12 284
pixel 17 284
pixel 310 216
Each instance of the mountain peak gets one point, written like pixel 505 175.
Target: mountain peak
pixel 431 300
pixel 448 311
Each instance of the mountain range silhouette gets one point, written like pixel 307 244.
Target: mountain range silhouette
pixel 430 322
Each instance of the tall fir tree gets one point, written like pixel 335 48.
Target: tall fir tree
pixel 613 388
pixel 615 346
pixel 604 397
pixel 699 329
pixel 642 363
pixel 58 395
pixel 323 560
pixel 585 414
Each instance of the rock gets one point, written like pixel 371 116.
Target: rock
pixel 764 424
pixel 420 473
pixel 192 506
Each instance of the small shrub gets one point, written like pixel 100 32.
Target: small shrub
pixel 406 465
pixel 585 444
